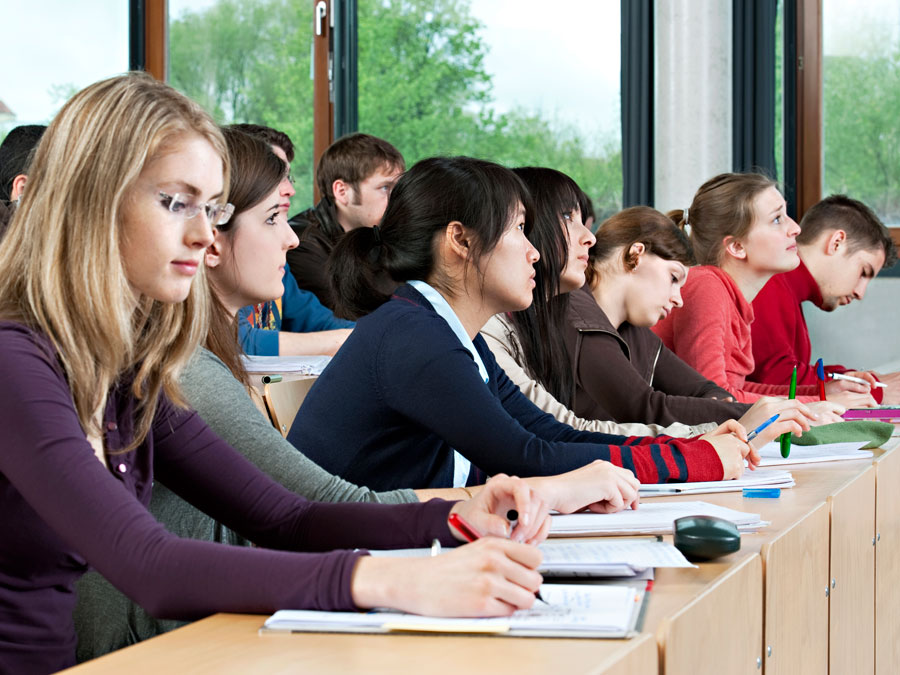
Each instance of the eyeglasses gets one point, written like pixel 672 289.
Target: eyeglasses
pixel 182 205
pixel 290 178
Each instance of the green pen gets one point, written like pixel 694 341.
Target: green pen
pixel 785 439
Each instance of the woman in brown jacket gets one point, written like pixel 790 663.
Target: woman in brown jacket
pixel 634 278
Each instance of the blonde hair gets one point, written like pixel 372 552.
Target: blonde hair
pixel 723 206
pixel 63 272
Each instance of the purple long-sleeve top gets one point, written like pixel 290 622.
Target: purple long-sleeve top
pixel 64 510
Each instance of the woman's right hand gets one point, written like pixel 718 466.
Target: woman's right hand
pixel 489 577
pixel 851 399
pixel 827 412
pixel 786 409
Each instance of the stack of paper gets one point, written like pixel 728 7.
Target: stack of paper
pixel 608 557
pixel 803 454
pixel 772 478
pixel 569 611
pixel 605 558
pixel 302 365
pixel 656 518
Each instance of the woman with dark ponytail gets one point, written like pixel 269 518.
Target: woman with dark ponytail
pixel 415 397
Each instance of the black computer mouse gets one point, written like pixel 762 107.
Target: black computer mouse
pixel 706 537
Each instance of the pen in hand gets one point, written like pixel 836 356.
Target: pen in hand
pixel 753 434
pixel 470 534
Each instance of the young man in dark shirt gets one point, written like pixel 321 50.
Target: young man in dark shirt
pixel 355 176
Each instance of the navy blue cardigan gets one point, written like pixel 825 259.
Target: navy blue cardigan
pixel 403 392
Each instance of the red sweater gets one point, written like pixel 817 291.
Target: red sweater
pixel 711 332
pixel 780 335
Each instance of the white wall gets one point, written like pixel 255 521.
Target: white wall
pixel 693 125
pixel 863 334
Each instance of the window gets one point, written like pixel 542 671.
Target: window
pixel 520 82
pixel 861 72
pixel 78 43
pixel 249 61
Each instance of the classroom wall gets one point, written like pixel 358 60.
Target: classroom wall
pixel 862 334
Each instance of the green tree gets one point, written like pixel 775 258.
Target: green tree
pixel 422 86
pixel 249 61
pixel 862 130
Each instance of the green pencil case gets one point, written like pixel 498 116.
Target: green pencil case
pixel 877 433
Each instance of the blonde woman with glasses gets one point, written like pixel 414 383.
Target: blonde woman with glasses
pixel 102 301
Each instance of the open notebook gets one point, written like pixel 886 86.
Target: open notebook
pixel 579 611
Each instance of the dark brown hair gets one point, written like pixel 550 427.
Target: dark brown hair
pixel 270 136
pixel 638 224
pixel 354 158
pixel 481 195
pixel 255 172
pixel 541 347
pixel 864 230
pixel 723 207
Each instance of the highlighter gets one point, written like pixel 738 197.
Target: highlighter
pixel 785 440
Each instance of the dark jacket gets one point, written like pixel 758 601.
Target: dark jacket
pixel 403 393
pixel 628 375
pixel 318 231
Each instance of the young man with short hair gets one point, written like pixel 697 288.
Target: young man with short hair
pixel 355 177
pixel 842 246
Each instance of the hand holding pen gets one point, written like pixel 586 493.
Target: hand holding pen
pixel 486 511
pixel 471 534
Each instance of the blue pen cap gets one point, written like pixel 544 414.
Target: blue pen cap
pixel 820 369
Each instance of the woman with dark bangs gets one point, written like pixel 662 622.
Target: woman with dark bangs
pixel 414 397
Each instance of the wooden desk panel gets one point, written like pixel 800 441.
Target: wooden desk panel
pixel 852 602
pixel 887 563
pixel 795 568
pixel 719 631
pixel 230 643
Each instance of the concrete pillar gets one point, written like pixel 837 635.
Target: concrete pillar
pixel 693 125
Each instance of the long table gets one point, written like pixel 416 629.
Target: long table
pixel 814 592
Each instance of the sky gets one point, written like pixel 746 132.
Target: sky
pixel 559 59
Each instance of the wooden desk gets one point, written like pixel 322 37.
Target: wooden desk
pixel 764 607
pixel 229 643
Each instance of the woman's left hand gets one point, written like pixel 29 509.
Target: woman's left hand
pixel 487 511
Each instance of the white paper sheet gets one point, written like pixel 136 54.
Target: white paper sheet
pixel 770 453
pixel 303 365
pixel 759 478
pixel 656 518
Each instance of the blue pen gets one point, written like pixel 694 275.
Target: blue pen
pixel 753 434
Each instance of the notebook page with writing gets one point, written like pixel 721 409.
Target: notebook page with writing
pixel 584 610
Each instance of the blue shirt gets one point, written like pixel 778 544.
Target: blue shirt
pixel 301 312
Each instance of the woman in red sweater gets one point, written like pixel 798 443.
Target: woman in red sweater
pixel 742 236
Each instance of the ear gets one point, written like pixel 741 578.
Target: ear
pixel 215 250
pixel 835 242
pixel 734 247
pixel 18 186
pixel 343 192
pixel 456 239
pixel 636 254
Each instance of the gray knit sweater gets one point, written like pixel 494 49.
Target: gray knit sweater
pixel 104 618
